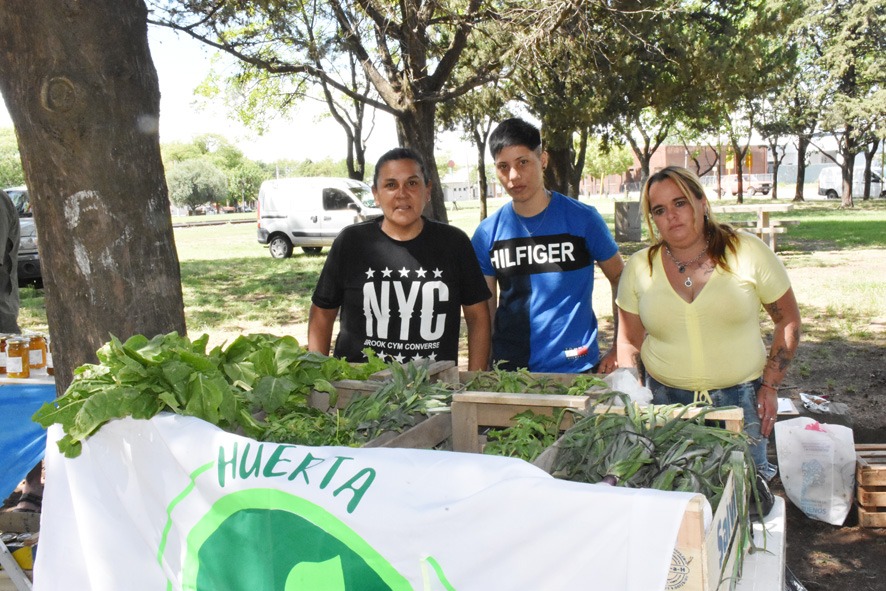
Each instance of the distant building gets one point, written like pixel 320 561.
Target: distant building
pixel 456 185
pixel 699 159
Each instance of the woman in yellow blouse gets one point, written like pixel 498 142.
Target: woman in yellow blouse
pixel 689 310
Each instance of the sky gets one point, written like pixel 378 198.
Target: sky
pixel 182 63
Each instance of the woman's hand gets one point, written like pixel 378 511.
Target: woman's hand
pixel 767 408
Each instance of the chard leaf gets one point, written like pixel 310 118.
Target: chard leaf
pixel 171 401
pixel 199 346
pixel 264 362
pixel 205 395
pixel 113 403
pixel 242 372
pixel 69 447
pixel 58 411
pixel 321 385
pixel 199 362
pixel 177 374
pixel 286 352
pixel 240 349
pixel 271 392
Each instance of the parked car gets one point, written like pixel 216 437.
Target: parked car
pixel 309 212
pixel 830 183
pixel 28 256
pixel 753 184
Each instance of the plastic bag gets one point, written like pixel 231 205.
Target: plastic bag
pixel 817 466
pixel 625 380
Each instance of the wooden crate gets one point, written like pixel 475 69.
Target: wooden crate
pixel 733 418
pixel 704 558
pixel 440 371
pixel 428 434
pixel 474 409
pixel 431 433
pixel 870 475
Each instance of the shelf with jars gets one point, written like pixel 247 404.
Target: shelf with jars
pixel 26 356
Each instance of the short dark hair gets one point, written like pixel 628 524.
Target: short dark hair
pixel 514 132
pixel 400 154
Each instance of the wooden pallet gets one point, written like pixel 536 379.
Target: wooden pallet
pixel 870 475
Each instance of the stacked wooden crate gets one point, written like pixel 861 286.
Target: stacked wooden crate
pixel 870 475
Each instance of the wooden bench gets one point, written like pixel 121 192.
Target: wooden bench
pixel 764 226
pixel 767 234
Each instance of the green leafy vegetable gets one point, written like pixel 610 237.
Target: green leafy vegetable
pixel 142 377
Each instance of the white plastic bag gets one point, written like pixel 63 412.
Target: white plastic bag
pixel 624 380
pixel 817 466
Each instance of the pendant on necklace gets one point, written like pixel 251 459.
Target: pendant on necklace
pixel 688 282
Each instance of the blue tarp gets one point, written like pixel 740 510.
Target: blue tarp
pixel 22 441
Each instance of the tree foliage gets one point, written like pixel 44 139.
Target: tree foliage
pixel 474 114
pixel 410 51
pixel 195 182
pixel 846 43
pixel 11 172
pixel 604 158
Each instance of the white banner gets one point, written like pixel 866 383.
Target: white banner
pixel 175 503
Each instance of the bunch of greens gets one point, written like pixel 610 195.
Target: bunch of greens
pixel 254 375
pixel 400 403
pixel 656 447
pixel 527 438
pixel 407 398
pixel 660 447
pixel 522 380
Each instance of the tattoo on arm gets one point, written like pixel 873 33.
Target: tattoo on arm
pixel 774 312
pixel 781 358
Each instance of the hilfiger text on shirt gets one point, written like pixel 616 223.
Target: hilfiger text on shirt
pixel 542 254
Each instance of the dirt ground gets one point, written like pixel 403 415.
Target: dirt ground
pixel 850 371
pixel 822 556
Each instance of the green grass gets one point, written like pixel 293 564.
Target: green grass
pixel 231 285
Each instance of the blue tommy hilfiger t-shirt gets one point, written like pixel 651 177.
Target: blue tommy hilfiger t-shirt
pixel 544 266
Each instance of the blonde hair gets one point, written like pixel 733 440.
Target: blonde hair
pixel 720 236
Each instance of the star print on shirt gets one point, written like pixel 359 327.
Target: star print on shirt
pixel 437 273
pixel 404 272
pixel 370 273
pixel 398 358
pixel 386 272
pixel 416 358
pixel 421 272
pixel 432 357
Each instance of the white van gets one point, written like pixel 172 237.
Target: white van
pixel 310 212
pixel 830 183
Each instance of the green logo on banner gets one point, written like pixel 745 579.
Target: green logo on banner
pixel 270 540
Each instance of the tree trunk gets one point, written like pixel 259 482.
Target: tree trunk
pixel 579 164
pixel 868 164
pixel 415 129
pixel 776 163
pixel 802 147
pixel 558 144
pixel 480 142
pixel 82 91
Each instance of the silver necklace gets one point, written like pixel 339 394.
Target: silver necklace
pixel 681 266
pixel 540 222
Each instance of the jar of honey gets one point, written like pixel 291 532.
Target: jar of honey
pixel 3 338
pixel 17 357
pixel 37 352
pixel 50 368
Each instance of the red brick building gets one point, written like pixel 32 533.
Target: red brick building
pixel 699 159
